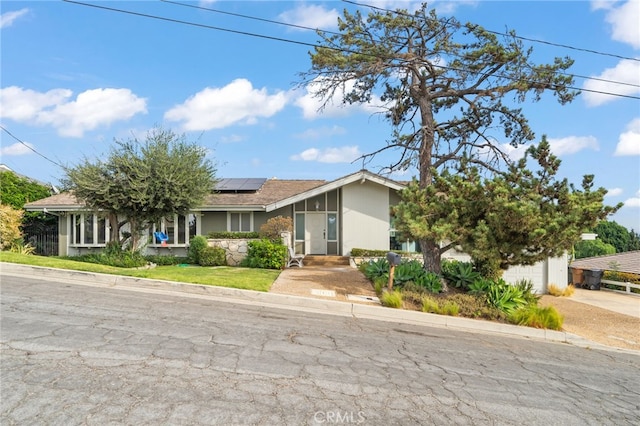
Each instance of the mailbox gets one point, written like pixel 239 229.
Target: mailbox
pixel 393 258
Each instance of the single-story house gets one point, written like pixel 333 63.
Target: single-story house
pixel 329 218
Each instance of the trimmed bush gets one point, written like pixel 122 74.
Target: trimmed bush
pixel 275 226
pixel 266 254
pixel 196 245
pixel 213 256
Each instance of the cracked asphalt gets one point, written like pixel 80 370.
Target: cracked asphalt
pixel 73 354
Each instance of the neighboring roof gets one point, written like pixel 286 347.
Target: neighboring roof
pixel 60 202
pixel 624 262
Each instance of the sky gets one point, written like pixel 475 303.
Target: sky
pixel 74 78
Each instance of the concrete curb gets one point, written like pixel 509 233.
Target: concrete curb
pixel 298 303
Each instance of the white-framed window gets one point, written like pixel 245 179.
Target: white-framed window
pixel 240 221
pixel 179 229
pixel 89 229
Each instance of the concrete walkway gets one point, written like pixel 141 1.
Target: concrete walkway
pixel 310 303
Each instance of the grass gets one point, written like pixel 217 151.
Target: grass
pixel 222 276
pixel 556 291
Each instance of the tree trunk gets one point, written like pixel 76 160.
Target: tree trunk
pixel 431 256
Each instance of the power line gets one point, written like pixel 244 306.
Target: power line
pixel 31 148
pixel 255 18
pixel 565 46
pixel 178 21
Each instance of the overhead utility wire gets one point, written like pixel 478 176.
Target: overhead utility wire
pixel 239 15
pixel 565 46
pixel 31 148
pixel 296 41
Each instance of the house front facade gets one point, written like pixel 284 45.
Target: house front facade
pixel 329 217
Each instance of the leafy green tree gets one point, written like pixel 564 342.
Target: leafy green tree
pixel 591 248
pixel 10 219
pixel 617 235
pixel 16 191
pixel 143 182
pixel 447 89
pixel 516 218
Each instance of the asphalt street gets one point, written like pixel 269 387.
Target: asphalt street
pixel 75 354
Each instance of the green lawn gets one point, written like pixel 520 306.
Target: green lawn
pixel 223 276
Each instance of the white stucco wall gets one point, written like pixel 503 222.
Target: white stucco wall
pixel 365 216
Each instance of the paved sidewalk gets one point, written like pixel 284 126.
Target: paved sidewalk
pixel 309 303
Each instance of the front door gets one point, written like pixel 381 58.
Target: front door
pixel 316 233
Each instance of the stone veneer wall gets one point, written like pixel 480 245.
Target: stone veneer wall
pixel 236 249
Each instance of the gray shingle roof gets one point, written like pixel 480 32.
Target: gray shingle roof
pixel 623 262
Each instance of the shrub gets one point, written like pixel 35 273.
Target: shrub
pixel 10 221
pixel 537 316
pixel 459 274
pixel 621 276
pixel 480 287
pixel 275 226
pixel 21 248
pixel 429 281
pixel 392 299
pixel 376 268
pixel 213 256
pixel 526 286
pixel 471 306
pixel 266 254
pixel 430 305
pixel 360 252
pixel 450 308
pixel 113 255
pixel 380 283
pixel 196 245
pixel 556 291
pixel 505 297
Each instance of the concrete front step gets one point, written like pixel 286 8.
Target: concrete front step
pixel 317 260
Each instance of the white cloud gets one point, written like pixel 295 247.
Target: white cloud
pixel 514 153
pixel 311 16
pixel 312 106
pixel 90 109
pixel 572 144
pixel 7 19
pixel 634 201
pixel 321 133
pixel 626 71
pixel 624 21
pixel 236 103
pixel 629 141
pixel 345 154
pixel 17 149
pixel 614 192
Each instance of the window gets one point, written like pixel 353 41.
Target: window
pixel 178 228
pixel 89 229
pixel 299 235
pixel 240 222
pixel 332 227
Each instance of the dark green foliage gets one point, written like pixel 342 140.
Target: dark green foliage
pixel 459 274
pixel 407 271
pixel 591 248
pixel 537 316
pixel 17 191
pixel 212 256
pixel 376 268
pixel 505 297
pixel 113 255
pixel 526 287
pixel 360 252
pixel 196 245
pixel 475 307
pixel 144 181
pixel 480 286
pixel 223 235
pixel 266 254
pixel 430 281
pixel 618 236
pixel 166 260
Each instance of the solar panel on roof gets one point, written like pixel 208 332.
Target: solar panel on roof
pixel 240 184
